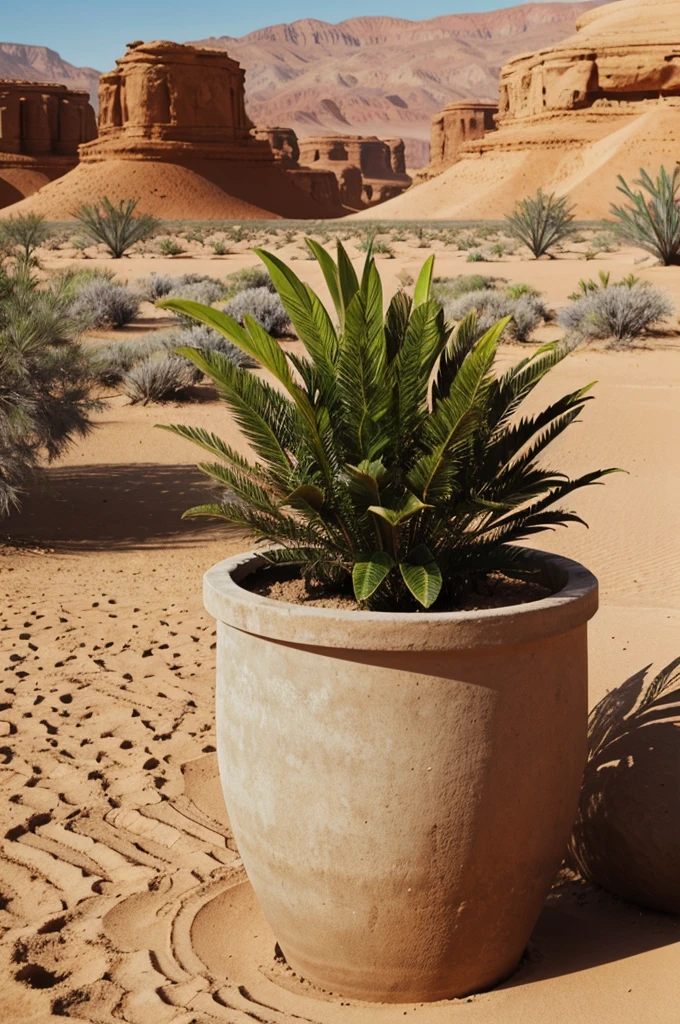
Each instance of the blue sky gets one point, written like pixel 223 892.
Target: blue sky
pixel 94 32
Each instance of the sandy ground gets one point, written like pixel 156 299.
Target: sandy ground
pixel 122 897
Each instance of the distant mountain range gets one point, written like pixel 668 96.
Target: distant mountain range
pixel 373 75
pixel 39 64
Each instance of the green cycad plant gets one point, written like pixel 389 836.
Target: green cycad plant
pixel 390 455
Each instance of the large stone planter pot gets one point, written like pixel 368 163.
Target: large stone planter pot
pixel 401 787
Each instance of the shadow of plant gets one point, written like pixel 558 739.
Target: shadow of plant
pixel 627 832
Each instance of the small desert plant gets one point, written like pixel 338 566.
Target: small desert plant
pixel 445 288
pixel 541 222
pixel 389 458
pixel 264 306
pixel 220 248
pixel 116 226
pixel 161 377
pixel 525 312
pixel 205 338
pixel 20 236
pixel 517 290
pixel 247 277
pixel 652 222
pixel 155 286
pixel 475 256
pixel 111 362
pixel 619 312
pixel 376 246
pixel 69 283
pixel 45 382
pixel 101 303
pixel 405 278
pixel 169 247
pixel 587 285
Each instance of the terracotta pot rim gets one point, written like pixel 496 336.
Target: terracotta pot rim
pixel 574 602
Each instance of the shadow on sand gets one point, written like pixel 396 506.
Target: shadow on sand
pixel 125 506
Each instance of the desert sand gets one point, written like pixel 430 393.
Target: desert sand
pixel 122 897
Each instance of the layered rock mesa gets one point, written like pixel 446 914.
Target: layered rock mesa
pixel 572 117
pixel 173 132
pixel 41 127
pixel 369 170
pixel 452 128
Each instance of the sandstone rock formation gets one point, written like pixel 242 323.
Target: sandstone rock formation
pixel 41 127
pixel 452 128
pixel 173 131
pixel 24 63
pixel 387 76
pixel 571 118
pixel 382 172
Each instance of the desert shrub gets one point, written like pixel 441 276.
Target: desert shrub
pixel 652 222
pixel 526 312
pixel 68 283
pixel 220 248
pixel 540 222
pixel 110 362
pixel 587 286
pixel 202 337
pixel 116 226
pixel 475 256
pixel 204 290
pixel 45 383
pixel 391 460
pixel 264 306
pixel 155 286
pixel 22 235
pixel 518 289
pixel 160 377
pixel 467 240
pixel 169 247
pixel 101 303
pixel 618 312
pixel 446 288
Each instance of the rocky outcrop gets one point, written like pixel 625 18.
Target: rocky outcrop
pixel 41 127
pixel 452 128
pixel 369 171
pixel 572 117
pixel 183 106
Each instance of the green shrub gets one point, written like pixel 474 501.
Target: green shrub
pixel 115 225
pixel 20 236
pixel 169 247
pixel 652 222
pixel 541 222
pixel 389 458
pixel 220 248
pixel 111 362
pixel 247 277
pixel 475 256
pixel 45 383
pixel 445 288
pixel 69 283
pixel 516 291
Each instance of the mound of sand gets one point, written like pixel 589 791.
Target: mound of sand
pixel 164 190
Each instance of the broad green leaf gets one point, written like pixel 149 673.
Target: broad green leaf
pixel 422 575
pixel 395 517
pixel 306 311
pixel 421 292
pixel 306 494
pixel 349 283
pixel 369 572
pixel 329 270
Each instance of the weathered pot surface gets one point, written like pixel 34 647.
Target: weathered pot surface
pixel 402 786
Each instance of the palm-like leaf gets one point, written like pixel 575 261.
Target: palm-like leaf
pixel 390 457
